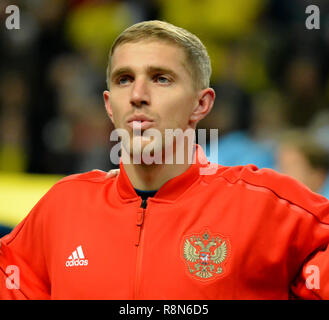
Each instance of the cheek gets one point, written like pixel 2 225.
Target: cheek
pixel 178 109
pixel 117 112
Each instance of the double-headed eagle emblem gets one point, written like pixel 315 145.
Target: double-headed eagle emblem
pixel 205 255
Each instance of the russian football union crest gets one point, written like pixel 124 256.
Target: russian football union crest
pixel 206 255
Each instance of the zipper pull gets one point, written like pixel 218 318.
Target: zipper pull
pixel 140 220
pixel 144 203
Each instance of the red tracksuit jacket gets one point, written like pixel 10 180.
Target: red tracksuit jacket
pixel 241 233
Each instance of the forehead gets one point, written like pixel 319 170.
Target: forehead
pixel 151 52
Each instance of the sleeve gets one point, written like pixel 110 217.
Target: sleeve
pixel 23 268
pixel 308 213
pixel 312 281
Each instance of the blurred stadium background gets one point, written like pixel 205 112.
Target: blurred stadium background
pixel 270 74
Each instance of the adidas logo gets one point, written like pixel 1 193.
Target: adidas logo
pixel 77 258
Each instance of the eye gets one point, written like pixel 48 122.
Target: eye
pixel 123 80
pixel 161 79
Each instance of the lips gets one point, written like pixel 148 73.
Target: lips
pixel 140 122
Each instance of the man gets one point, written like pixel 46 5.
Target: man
pixel 177 230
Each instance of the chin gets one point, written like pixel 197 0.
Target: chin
pixel 142 150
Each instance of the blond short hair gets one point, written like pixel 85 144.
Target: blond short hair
pixel 198 61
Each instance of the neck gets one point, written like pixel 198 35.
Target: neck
pixel 153 176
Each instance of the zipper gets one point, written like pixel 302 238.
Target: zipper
pixel 138 243
pixel 140 221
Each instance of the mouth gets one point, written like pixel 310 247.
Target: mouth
pixel 140 122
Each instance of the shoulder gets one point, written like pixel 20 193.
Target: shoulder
pixel 78 183
pixel 279 186
pixel 94 176
pixel 66 192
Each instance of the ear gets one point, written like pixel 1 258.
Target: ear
pixel 205 102
pixel 106 95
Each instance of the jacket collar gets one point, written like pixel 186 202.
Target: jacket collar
pixel 173 188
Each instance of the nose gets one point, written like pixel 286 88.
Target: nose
pixel 140 93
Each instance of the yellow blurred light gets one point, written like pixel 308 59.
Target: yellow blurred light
pixel 19 193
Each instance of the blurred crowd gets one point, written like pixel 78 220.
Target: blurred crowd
pixel 270 74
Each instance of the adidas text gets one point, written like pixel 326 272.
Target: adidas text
pixel 78 262
pixel 77 258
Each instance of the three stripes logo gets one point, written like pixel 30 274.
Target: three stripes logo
pixel 77 258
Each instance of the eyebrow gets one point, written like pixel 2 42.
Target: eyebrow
pixel 155 69
pixel 150 70
pixel 120 71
